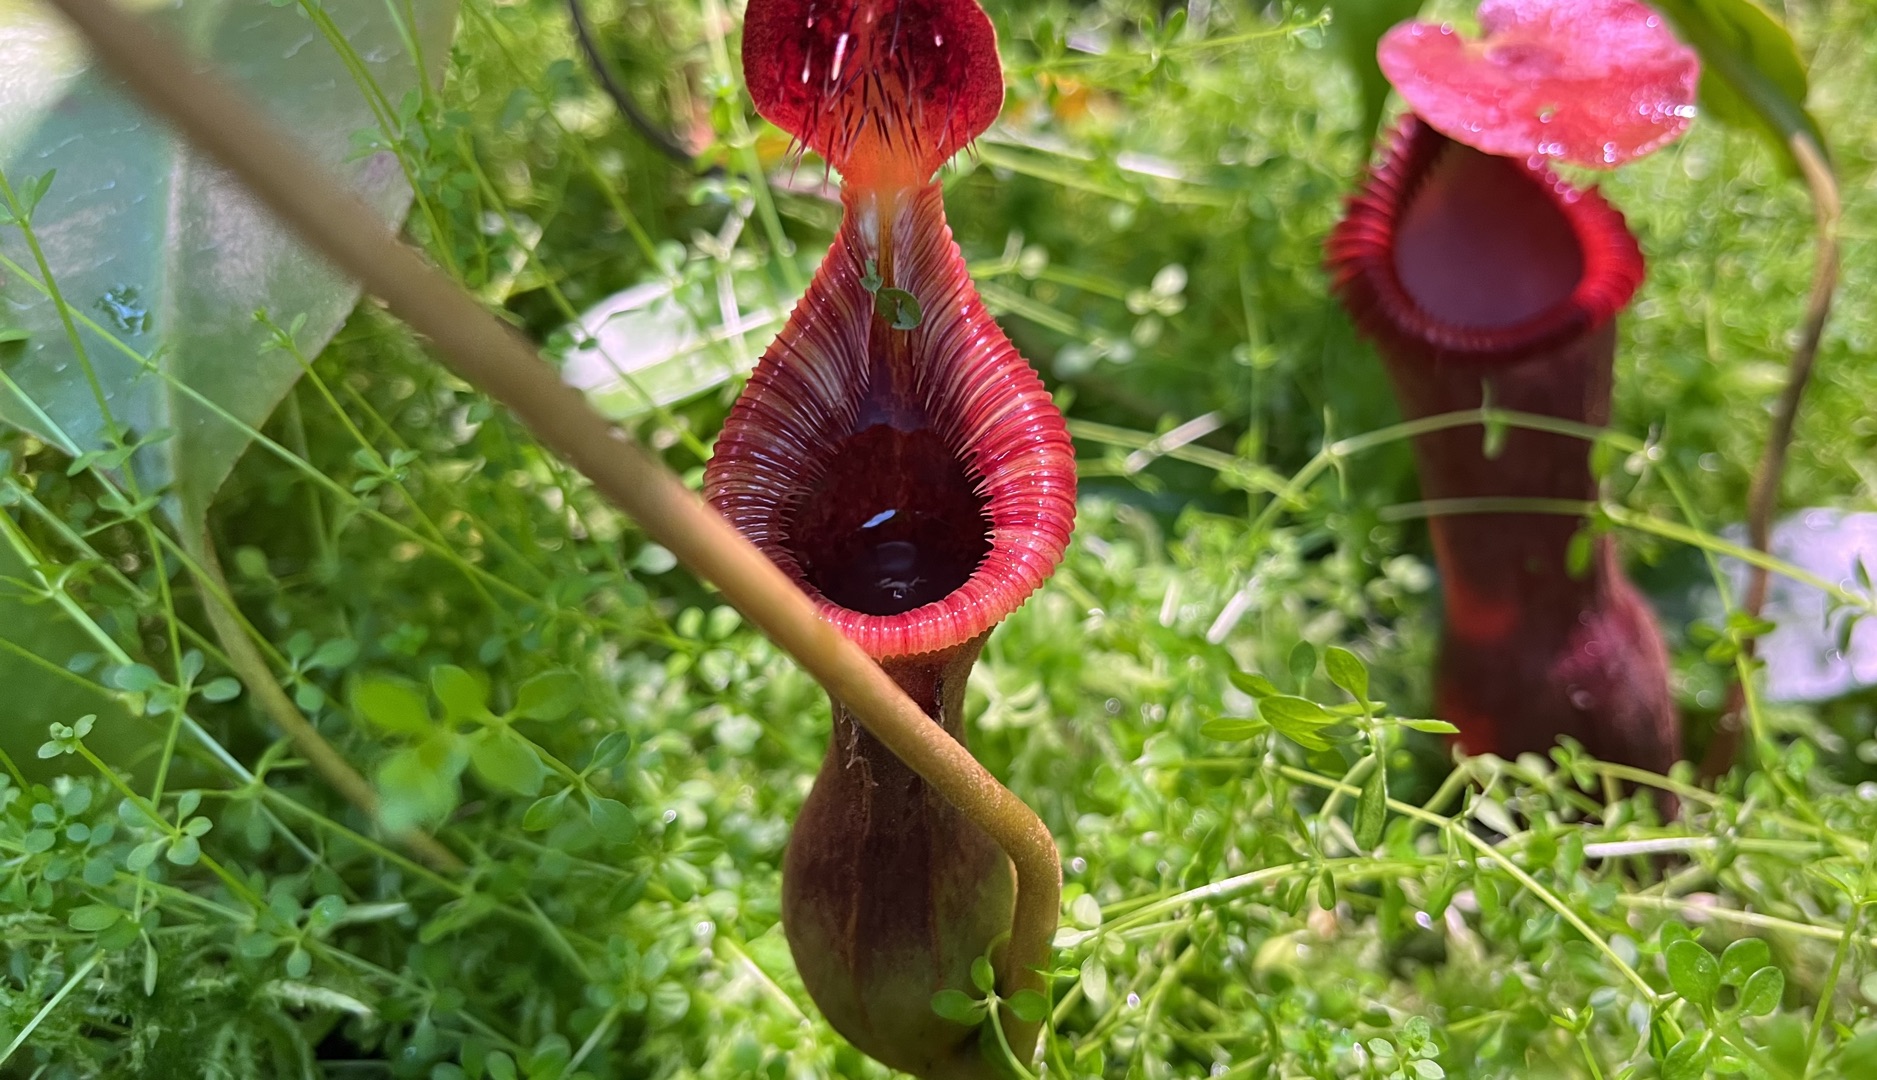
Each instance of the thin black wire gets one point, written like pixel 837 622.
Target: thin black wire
pixel 663 141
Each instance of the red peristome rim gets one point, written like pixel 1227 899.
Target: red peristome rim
pixel 981 397
pixel 1361 249
pixel 893 87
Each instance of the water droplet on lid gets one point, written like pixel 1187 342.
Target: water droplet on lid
pixel 840 57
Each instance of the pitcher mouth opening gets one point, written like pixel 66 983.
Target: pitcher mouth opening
pixel 895 522
pixel 917 482
pixel 1450 254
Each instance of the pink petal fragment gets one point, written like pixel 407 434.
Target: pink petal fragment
pixel 1591 82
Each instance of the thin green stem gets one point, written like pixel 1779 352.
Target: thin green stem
pixel 1550 899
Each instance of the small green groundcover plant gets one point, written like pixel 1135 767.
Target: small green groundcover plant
pixel 573 768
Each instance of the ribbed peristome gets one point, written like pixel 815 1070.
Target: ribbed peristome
pixel 1361 259
pixel 837 367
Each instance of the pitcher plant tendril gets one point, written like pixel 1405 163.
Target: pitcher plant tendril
pixel 1476 272
pixel 902 463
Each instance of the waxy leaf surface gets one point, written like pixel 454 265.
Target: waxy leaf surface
pixel 164 258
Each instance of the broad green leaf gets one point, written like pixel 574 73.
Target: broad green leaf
pixel 1256 685
pixel 93 917
pixel 611 751
pixel 1372 808
pixel 550 695
pixel 223 688
pixel 612 818
pixel 464 696
pixel 1231 728
pixel 546 812
pixel 136 678
pixel 413 790
pixel 1751 72
pixel 1761 994
pixel 1094 982
pixel 1297 719
pixel 501 1066
pixel 1355 28
pixel 982 976
pixel 167 258
pixel 44 689
pixel 143 856
pixel 958 1006
pixel 392 704
pixel 1347 671
pixel 1029 1006
pixel 186 851
pixel 1742 958
pixel 333 655
pixel 503 759
pixel 1302 663
pixel 1693 972
pixel 1688 1060
pixel 1859 1056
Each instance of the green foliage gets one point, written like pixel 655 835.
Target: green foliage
pixel 1219 705
pixel 146 335
pixel 1356 28
pixel 1752 74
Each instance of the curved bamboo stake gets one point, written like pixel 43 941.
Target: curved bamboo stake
pixel 493 357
